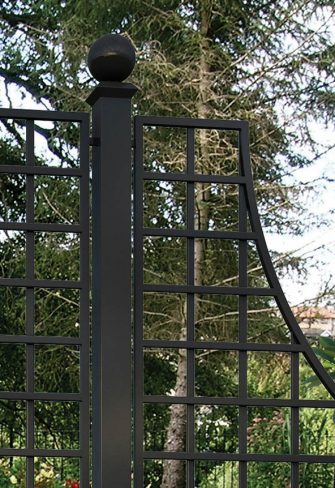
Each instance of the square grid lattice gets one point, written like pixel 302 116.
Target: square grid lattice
pixel 46 243
pixel 172 242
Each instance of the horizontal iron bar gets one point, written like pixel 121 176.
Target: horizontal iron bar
pixel 232 180
pixel 235 401
pixel 200 234
pixel 47 397
pixel 40 170
pixel 74 453
pixel 22 226
pixel 27 283
pixel 184 122
pixel 224 456
pixel 231 346
pixel 33 339
pixel 10 113
pixel 219 290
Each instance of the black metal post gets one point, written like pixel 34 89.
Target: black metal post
pixel 111 59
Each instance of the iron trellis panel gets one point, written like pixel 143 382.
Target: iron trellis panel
pixel 26 119
pixel 298 345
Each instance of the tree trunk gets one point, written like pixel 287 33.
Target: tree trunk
pixel 173 470
pixel 174 473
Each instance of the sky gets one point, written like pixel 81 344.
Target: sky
pixel 310 243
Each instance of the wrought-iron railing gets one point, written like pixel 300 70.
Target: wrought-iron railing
pixel 33 232
pixel 162 236
pixel 202 273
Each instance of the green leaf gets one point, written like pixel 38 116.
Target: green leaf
pixel 312 381
pixel 329 358
pixel 327 343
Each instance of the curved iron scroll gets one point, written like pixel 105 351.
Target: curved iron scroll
pixel 298 344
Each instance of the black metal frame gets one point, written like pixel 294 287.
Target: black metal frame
pixel 299 344
pixel 27 118
pixel 111 285
pixel 109 206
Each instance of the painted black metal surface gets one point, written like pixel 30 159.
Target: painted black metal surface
pixel 111 286
pixel 32 169
pixel 111 59
pixel 298 345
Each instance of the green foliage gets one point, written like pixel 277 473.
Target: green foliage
pixel 49 472
pixel 263 475
pixel 12 470
pixel 223 474
pixel 326 352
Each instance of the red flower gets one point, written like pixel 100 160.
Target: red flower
pixel 74 484
pixel 68 483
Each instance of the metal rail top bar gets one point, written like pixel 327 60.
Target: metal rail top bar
pixel 34 339
pixel 42 227
pixel 76 453
pixel 216 456
pixel 10 113
pixel 48 397
pixel 30 283
pixel 220 345
pixel 238 401
pixel 194 178
pixel 200 234
pixel 191 123
pixel 211 290
pixel 40 170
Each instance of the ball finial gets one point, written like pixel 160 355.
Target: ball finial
pixel 111 58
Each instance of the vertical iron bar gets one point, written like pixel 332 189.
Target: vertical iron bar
pixel 84 430
pixel 190 314
pixel 30 299
pixel 111 281
pixel 138 306
pixel 243 314
pixel 295 416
